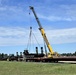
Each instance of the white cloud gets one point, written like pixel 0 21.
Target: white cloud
pixel 13 36
pixel 56 18
pixel 62 35
pixel 70 10
pixel 54 12
pixel 13 13
pixel 5 31
pixel 58 13
pixel 19 36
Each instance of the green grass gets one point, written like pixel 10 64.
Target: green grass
pixel 30 68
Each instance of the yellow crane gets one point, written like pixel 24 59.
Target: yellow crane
pixel 52 53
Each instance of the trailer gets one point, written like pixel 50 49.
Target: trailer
pixel 56 60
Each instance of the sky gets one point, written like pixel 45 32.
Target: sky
pixel 57 17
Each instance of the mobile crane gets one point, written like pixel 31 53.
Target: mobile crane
pixel 52 56
pixel 52 53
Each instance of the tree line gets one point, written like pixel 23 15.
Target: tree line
pixel 69 54
pixel 17 56
pixel 10 56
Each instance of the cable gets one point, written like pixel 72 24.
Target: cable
pixel 30 35
pixel 36 40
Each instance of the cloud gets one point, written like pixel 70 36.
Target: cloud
pixel 17 13
pixel 56 18
pixel 13 36
pixel 13 10
pixel 19 36
pixel 13 14
pixel 70 10
pixel 62 35
pixel 60 12
pixel 17 10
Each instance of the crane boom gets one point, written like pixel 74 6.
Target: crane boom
pixel 42 32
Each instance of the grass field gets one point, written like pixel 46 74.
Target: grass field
pixel 23 68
